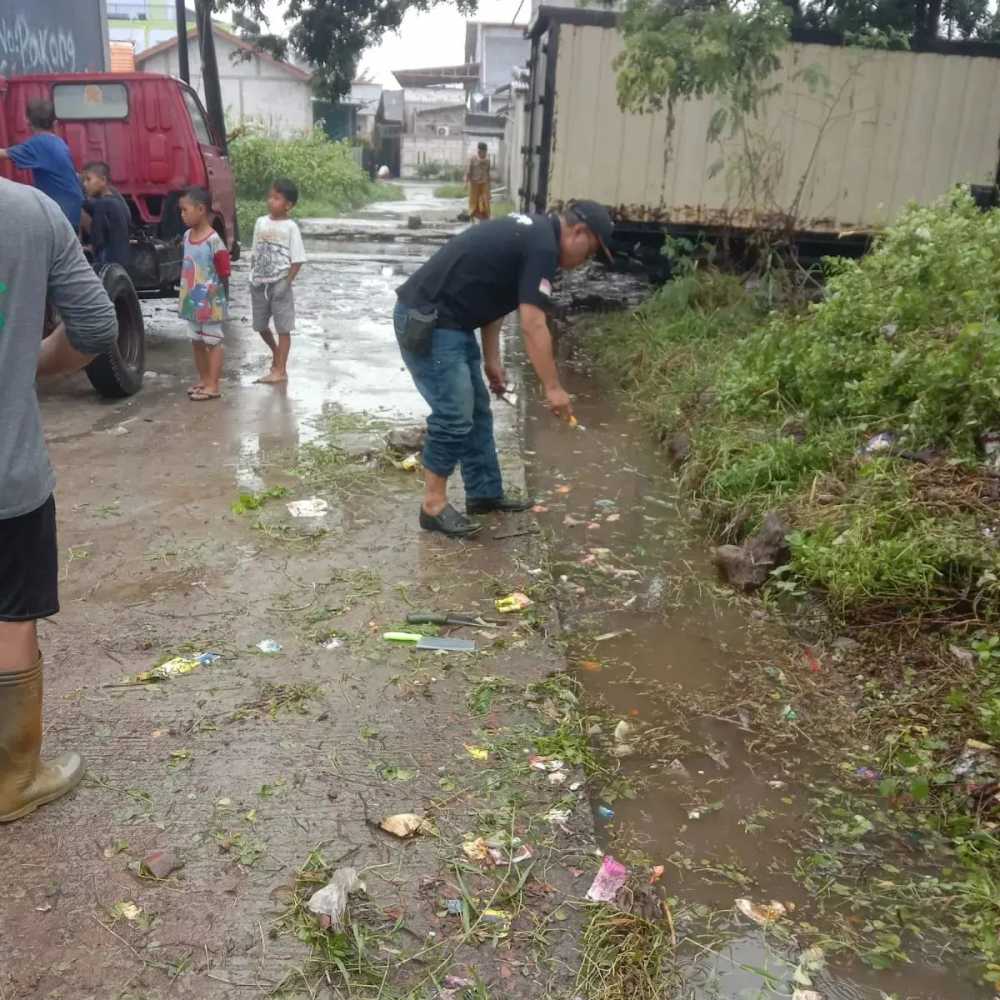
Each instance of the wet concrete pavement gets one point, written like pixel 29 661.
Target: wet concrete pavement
pixel 248 765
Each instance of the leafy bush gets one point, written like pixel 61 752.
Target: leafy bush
pixel 906 340
pixel 329 179
pixel 436 170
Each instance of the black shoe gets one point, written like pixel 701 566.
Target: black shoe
pixel 449 522
pixel 505 505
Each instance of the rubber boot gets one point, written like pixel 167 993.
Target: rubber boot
pixel 27 782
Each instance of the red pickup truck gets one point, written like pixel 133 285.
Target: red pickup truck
pixel 153 133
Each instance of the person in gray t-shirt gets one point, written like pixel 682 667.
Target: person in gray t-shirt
pixel 40 259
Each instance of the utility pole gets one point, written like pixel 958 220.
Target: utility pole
pixel 210 71
pixel 182 48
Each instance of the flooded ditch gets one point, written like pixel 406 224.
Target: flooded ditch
pixel 657 644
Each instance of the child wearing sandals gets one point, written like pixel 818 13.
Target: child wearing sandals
pixel 204 287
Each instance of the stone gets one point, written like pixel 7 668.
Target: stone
pixel 679 447
pixel 748 566
pixel 409 438
pixel 414 222
pixel 160 864
pixel 360 446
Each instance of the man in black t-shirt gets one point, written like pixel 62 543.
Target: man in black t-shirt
pixel 471 283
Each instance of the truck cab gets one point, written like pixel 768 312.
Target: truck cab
pixel 153 133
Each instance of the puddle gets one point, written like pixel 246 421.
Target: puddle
pixel 650 631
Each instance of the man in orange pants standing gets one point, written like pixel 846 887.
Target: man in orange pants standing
pixel 477 176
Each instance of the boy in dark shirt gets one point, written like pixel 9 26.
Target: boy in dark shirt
pixel 49 160
pixel 106 217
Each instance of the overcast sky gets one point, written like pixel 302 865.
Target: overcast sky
pixel 436 38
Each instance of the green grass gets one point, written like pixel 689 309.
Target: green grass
pixel 778 402
pixel 451 191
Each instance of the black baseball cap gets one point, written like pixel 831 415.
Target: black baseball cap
pixel 597 219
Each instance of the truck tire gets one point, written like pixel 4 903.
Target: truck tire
pixel 118 373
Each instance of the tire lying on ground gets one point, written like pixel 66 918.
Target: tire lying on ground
pixel 118 373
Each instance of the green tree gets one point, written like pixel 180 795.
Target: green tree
pixel 332 34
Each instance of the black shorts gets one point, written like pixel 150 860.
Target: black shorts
pixel 29 565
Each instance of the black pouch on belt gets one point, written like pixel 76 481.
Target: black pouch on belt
pixel 419 331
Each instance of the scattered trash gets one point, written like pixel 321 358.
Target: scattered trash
pixel 789 714
pixel 622 731
pixel 454 907
pixel 878 444
pixel 545 763
pixel 405 825
pixel 408 464
pixel 269 646
pixel 563 489
pixel 811 661
pixel 656 873
pixel 868 774
pixel 126 909
pixel 611 518
pixel 559 818
pixel 590 665
pixel 702 811
pixel 572 522
pixel 539 509
pixel 762 913
pixel 978 761
pixel 160 864
pixel 606 504
pixel 497 919
pixel 176 666
pixel 557 777
pixel 313 507
pixel 605 813
pixel 611 635
pixel 477 753
pixel 501 856
pixel 333 643
pixel 811 961
pixel 330 902
pixel 476 850
pixel 676 766
pixel 806 995
pixel 457 983
pixel 609 879
pixel 513 602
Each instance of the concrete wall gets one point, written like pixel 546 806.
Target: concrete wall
pixel 429 149
pixel 900 127
pixel 254 90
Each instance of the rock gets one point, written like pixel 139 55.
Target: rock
pixel 845 644
pixel 414 222
pixel 679 447
pixel 359 446
pixel 463 216
pixel 410 438
pixel 160 864
pixel 747 567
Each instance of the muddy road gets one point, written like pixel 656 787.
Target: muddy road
pixel 263 772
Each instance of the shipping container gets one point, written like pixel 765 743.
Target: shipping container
pixel 849 137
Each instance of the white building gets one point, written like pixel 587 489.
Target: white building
pixel 256 88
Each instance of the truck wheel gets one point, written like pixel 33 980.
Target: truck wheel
pixel 119 372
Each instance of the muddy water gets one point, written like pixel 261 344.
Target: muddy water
pixel 649 631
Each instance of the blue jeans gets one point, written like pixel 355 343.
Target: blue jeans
pixel 460 427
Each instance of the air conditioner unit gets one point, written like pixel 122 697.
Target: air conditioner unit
pixel 443 130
